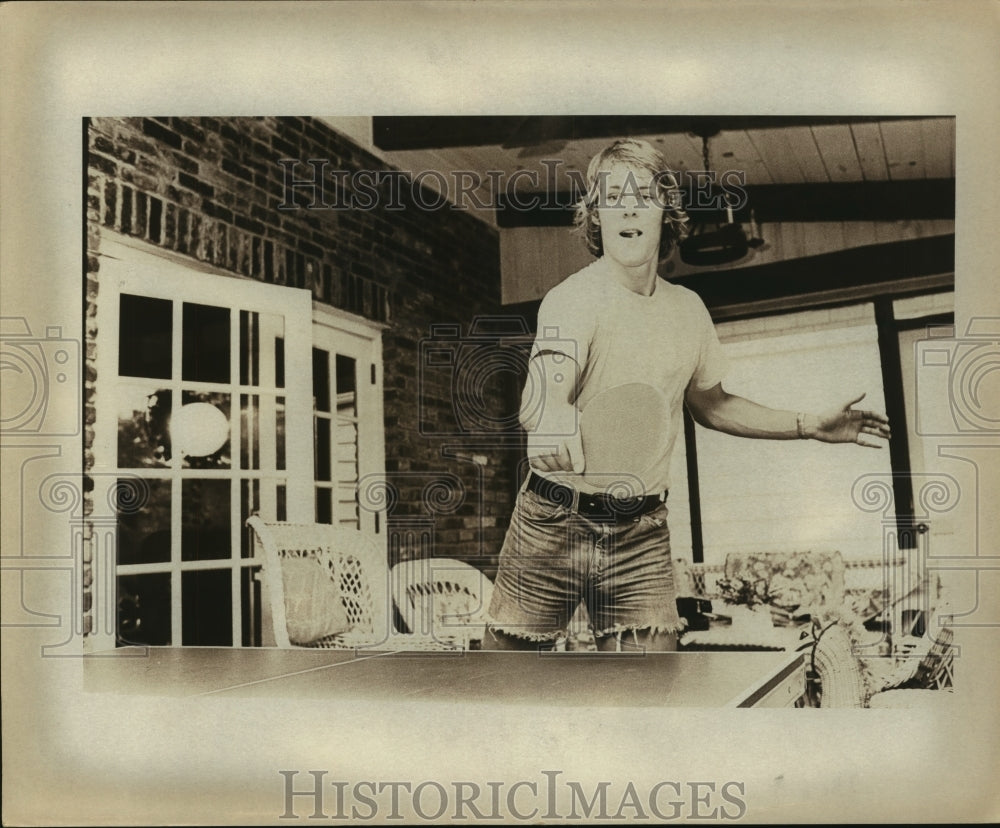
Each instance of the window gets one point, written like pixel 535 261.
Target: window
pixel 762 494
pixel 913 319
pixel 738 495
pixel 206 410
pixel 347 418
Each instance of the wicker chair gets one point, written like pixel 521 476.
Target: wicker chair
pixel 443 599
pixel 811 583
pixel 835 675
pixel 923 675
pixel 354 566
pixel 844 667
pixel 803 584
pixel 697 580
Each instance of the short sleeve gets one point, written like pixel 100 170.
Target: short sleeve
pixel 565 324
pixel 713 366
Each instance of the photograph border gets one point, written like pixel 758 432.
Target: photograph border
pixel 75 757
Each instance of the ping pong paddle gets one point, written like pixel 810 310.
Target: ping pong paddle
pixel 620 429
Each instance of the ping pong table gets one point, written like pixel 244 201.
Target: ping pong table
pixel 678 679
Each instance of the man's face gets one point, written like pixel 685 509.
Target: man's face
pixel 630 215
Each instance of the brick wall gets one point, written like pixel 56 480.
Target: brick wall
pixel 210 189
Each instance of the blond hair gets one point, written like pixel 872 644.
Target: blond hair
pixel 642 155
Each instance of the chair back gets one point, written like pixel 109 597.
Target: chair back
pixel 836 670
pixel 443 598
pixel 354 563
pixel 696 580
pixel 935 671
pixel 915 680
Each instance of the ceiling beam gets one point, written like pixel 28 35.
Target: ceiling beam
pixel 912 199
pixel 841 276
pixel 412 132
pixel 844 277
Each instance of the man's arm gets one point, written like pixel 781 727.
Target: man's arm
pixel 716 408
pixel 548 413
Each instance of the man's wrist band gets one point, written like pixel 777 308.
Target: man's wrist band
pixel 800 425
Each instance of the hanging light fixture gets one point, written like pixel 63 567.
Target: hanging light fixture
pixel 720 241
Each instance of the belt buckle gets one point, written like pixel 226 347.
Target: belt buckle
pixel 590 501
pixel 604 508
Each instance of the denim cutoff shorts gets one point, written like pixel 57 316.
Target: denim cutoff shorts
pixel 553 558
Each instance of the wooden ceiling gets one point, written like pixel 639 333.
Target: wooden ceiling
pixel 880 157
pixel 868 195
pixel 771 150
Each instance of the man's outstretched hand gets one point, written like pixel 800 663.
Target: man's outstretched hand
pixel 846 424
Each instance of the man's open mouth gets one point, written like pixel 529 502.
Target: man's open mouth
pixel 630 234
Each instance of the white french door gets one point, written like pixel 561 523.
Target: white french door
pixel 203 418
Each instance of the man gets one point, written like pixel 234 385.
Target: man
pixel 575 536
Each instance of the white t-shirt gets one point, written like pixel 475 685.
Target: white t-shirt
pixel 617 336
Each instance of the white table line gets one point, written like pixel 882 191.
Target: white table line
pixel 288 675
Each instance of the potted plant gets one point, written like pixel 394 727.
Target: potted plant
pixel 747 602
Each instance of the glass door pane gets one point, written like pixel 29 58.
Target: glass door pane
pixel 347 441
pixel 193 401
pixel 335 425
pixel 347 425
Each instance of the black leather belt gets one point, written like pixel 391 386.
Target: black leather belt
pixel 597 506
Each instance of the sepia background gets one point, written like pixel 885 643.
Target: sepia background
pixel 104 759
